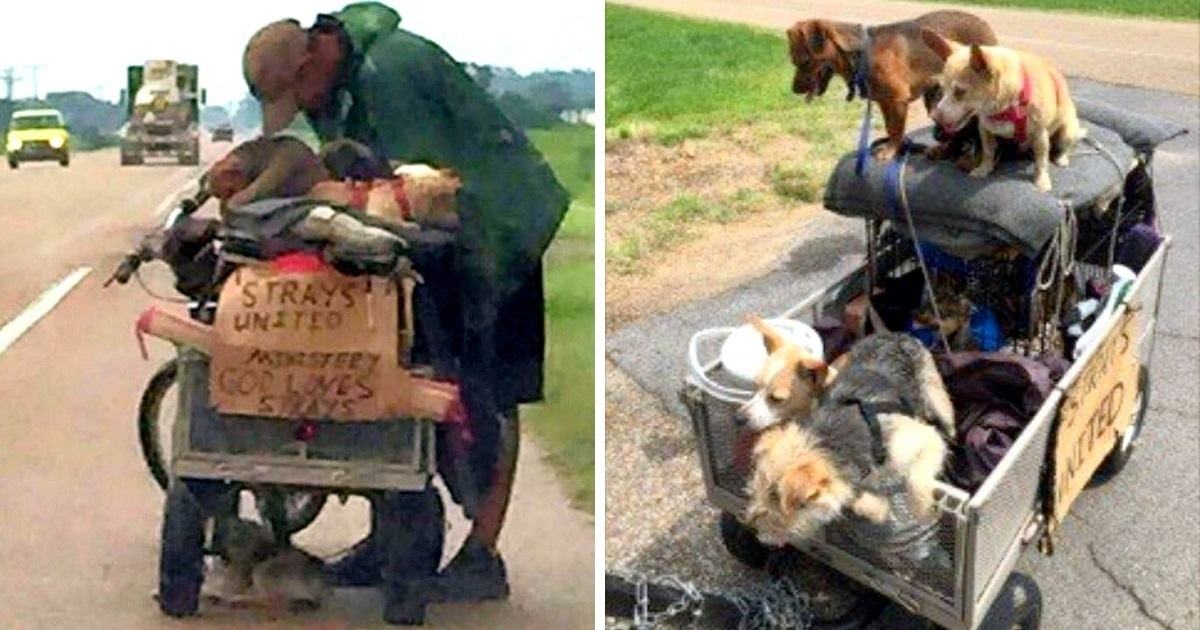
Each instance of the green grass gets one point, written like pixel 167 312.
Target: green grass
pixel 1170 9
pixel 800 180
pixel 672 78
pixel 564 422
pixel 674 223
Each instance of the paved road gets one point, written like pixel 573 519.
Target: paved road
pixel 1129 555
pixel 1154 54
pixel 79 514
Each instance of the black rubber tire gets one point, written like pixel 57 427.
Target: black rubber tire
pixel 302 508
pixel 13 164
pixel 149 410
pixel 1017 607
pixel 65 160
pixel 412 531
pixel 1122 451
pixel 181 555
pixel 741 543
pixel 131 160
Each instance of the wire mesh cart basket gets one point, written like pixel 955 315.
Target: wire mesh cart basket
pixel 953 570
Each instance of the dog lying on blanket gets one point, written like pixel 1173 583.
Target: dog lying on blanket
pixel 346 173
pixel 902 67
pixel 1013 94
pixel 886 412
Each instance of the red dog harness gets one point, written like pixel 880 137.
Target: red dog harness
pixel 357 193
pixel 1018 113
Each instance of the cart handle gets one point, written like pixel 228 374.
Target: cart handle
pixel 699 373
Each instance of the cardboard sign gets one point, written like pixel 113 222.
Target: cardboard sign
pixel 315 345
pixel 1096 410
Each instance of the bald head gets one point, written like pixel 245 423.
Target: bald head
pixel 273 57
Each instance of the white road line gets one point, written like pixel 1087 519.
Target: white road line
pixel 38 309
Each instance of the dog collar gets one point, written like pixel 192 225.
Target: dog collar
pixel 359 191
pixel 1018 113
pixel 863 66
pixel 401 198
pixel 356 194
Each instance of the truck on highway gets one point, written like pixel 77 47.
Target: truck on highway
pixel 162 101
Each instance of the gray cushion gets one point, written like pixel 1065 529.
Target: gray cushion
pixel 968 216
pixel 1141 133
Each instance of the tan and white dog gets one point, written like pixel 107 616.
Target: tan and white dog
pixel 1016 95
pixel 788 383
pixel 415 194
pixel 886 413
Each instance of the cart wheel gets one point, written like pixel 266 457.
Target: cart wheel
pixel 1123 450
pixel 151 422
pixel 1017 607
pixel 413 535
pixel 181 557
pixel 741 543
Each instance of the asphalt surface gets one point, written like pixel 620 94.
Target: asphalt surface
pixel 79 513
pixel 1128 555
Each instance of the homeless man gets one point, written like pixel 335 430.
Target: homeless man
pixel 356 75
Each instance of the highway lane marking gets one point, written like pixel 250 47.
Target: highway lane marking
pixel 40 307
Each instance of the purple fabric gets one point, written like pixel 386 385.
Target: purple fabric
pixel 1138 245
pixel 995 394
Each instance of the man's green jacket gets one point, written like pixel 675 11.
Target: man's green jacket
pixel 409 100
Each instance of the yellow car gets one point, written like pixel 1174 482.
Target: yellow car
pixel 37 134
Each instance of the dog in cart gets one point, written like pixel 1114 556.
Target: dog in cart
pixel 1014 303
pixel 955 568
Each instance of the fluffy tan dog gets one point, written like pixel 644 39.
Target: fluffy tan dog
pixel 416 193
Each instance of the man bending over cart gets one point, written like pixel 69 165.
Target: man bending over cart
pixel 356 75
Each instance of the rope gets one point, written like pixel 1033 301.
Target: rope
pixel 897 197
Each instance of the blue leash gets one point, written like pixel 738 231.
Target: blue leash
pixel 862 86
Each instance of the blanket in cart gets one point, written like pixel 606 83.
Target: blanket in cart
pixel 969 217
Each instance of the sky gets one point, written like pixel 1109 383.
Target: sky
pixel 87 45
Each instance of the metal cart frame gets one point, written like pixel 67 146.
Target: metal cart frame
pixel 984 532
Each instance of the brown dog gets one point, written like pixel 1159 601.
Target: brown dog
pixel 901 69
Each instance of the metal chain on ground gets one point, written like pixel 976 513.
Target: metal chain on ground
pixel 776 605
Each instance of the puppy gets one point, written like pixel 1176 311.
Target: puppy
pixel 346 173
pixel 902 67
pixel 955 311
pixel 887 413
pixel 263 168
pixel 412 193
pixel 786 386
pixel 253 569
pixel 1015 95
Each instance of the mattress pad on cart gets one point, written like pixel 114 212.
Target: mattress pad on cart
pixel 970 216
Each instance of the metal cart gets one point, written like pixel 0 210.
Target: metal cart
pixel 1089 422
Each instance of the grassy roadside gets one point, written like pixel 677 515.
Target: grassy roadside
pixel 670 80
pixel 564 423
pixel 1166 9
